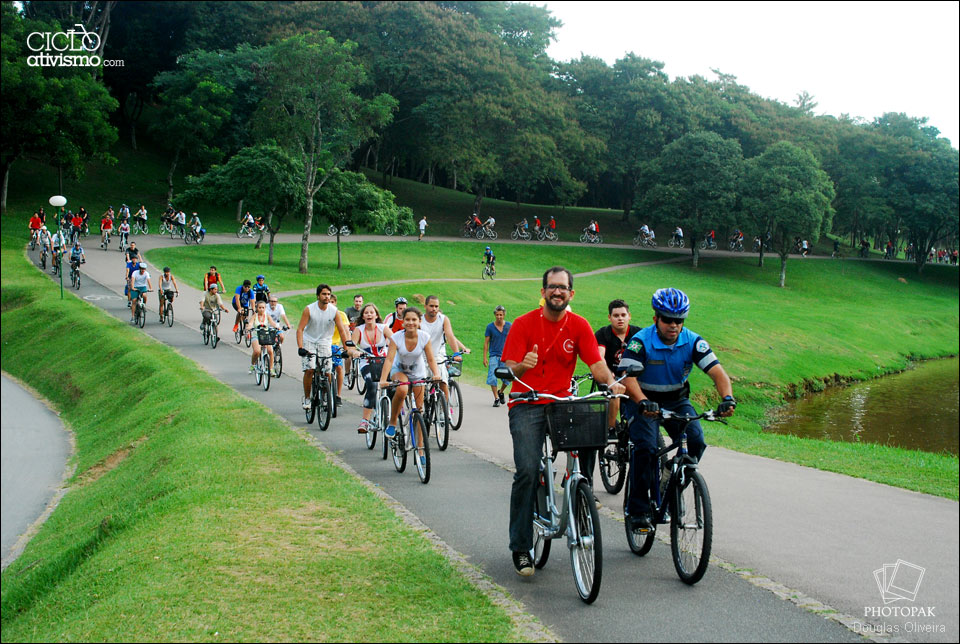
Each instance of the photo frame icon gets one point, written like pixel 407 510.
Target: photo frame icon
pixel 899 581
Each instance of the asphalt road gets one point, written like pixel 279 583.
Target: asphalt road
pixel 35 449
pixel 815 536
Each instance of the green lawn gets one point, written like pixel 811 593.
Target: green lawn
pixel 382 261
pixel 196 514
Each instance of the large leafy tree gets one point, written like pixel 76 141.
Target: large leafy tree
pixel 786 187
pixel 920 181
pixel 349 199
pixel 193 108
pixel 698 177
pixel 312 107
pixel 266 176
pixel 58 114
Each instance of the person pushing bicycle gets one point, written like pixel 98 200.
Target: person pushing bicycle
pixel 667 352
pixel 542 348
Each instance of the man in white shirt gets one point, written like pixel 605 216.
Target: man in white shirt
pixel 423 227
pixel 441 334
pixel 139 285
pixel 315 336
pixel 276 311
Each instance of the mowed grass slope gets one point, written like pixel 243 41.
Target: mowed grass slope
pixel 834 322
pixel 382 261
pixel 196 514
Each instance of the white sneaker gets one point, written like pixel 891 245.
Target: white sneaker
pixel 306 403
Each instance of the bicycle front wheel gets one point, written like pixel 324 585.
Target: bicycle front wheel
pixel 206 334
pixel 169 314
pixel 265 368
pixel 214 337
pixel 456 405
pixel 326 406
pixel 421 447
pixel 691 528
pixel 350 378
pixel 541 545
pixel 586 556
pixel 333 390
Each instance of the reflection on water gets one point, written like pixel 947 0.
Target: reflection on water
pixel 917 409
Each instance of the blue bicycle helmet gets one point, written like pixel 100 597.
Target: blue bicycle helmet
pixel 671 303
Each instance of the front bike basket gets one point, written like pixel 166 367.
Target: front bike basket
pixel 454 370
pixel 266 337
pixel 577 425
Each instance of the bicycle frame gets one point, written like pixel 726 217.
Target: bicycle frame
pixel 556 522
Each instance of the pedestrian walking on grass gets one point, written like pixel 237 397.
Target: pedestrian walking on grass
pixel 493 341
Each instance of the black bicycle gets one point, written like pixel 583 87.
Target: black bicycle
pixel 321 394
pixel 166 306
pixel 210 334
pixel 681 499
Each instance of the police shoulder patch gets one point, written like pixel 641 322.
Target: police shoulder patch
pixel 635 346
pixel 702 346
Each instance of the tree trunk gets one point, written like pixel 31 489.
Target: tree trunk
pixel 430 174
pixel 454 182
pixel 338 248
pixel 60 179
pixel 695 251
pixel 783 269
pixel 273 233
pixel 478 199
pixel 6 183
pixel 239 209
pixel 760 264
pixel 305 239
pixel 133 136
pixel 173 167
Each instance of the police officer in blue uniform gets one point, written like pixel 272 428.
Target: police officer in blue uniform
pixel 667 352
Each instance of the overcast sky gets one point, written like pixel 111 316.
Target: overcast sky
pixel 859 58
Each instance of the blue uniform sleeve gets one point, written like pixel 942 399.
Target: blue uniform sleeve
pixel 634 354
pixel 703 355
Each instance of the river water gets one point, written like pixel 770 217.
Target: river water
pixel 916 409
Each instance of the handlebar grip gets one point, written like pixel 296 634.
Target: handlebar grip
pixel 520 396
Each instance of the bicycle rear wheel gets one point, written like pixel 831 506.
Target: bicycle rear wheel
pixel 399 450
pixel 612 470
pixel 248 338
pixel 383 411
pixel 586 556
pixel 214 337
pixel 277 360
pixel 456 405
pixel 541 545
pixel 691 528
pixel 421 447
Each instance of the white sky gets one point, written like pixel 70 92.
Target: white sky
pixel 859 58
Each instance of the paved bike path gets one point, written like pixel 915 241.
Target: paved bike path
pixel 819 533
pixel 34 456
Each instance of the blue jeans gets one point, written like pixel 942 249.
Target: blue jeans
pixel 494 362
pixel 528 428
pixel 644 475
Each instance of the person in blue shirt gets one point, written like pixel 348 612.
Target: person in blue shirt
pixel 241 302
pixel 261 291
pixel 667 352
pixel 489 258
pixel 494 338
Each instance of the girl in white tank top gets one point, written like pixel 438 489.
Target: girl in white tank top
pixel 406 356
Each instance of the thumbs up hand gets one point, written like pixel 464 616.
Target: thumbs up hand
pixel 530 360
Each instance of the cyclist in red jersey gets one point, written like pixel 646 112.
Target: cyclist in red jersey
pixel 542 349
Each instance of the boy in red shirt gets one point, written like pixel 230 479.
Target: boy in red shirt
pixel 542 349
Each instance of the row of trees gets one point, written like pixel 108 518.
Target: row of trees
pixel 463 94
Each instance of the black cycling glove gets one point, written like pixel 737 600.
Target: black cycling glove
pixel 648 405
pixel 729 404
pixel 303 353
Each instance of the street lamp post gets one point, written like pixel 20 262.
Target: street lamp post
pixel 59 201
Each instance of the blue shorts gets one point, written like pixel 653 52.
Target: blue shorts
pixel 494 362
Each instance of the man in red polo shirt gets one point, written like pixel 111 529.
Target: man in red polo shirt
pixel 542 349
